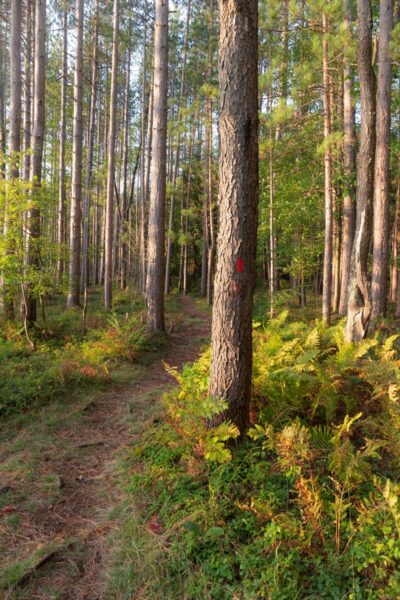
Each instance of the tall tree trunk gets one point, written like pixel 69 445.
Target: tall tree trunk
pixel 156 236
pixel 328 250
pixel 76 200
pixel 124 199
pixel 63 127
pixel 108 250
pixel 176 158
pixel 14 139
pixel 89 158
pixel 380 253
pixel 143 180
pixel 359 304
pixel 349 160
pixel 209 159
pixel 231 364
pixel 39 85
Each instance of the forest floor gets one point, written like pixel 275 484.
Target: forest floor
pixel 60 476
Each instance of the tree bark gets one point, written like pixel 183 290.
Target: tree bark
pixel 76 200
pixel 108 249
pixel 231 364
pixel 14 138
pixel 349 160
pixel 39 83
pixel 380 252
pixel 359 303
pixel 176 157
pixel 328 250
pixel 63 127
pixel 156 235
pixel 89 159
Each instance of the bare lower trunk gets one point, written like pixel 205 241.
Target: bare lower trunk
pixel 89 158
pixel 29 307
pixel 359 303
pixel 76 200
pixel 109 226
pixel 63 126
pixel 156 235
pixel 14 138
pixel 231 364
pixel 327 272
pixel 380 253
pixel 349 160
pixel 176 159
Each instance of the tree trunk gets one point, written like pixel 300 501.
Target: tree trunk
pixel 156 236
pixel 176 158
pixel 143 180
pixel 359 304
pixel 39 83
pixel 14 138
pixel 76 184
pixel 89 159
pixel 124 199
pixel 231 364
pixel 349 160
pixel 109 228
pixel 328 251
pixel 380 253
pixel 63 127
pixel 209 145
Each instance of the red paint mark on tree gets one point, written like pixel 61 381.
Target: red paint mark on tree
pixel 239 265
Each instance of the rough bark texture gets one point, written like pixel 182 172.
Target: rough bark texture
pixel 209 160
pixel 156 234
pixel 39 85
pixel 14 139
pixel 89 158
pixel 349 160
pixel 231 364
pixel 76 200
pixel 328 250
pixel 176 158
pixel 63 127
pixel 109 227
pixel 27 127
pixel 359 304
pixel 380 253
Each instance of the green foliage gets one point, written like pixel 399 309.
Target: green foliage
pixel 68 353
pixel 307 506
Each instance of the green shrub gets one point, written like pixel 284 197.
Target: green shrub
pixel 308 505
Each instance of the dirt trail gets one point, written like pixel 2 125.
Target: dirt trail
pixel 80 467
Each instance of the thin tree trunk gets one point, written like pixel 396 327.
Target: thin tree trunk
pixel 89 159
pixel 29 305
pixel 156 243
pixel 327 272
pixel 176 158
pixel 108 250
pixel 124 200
pixel 380 252
pixel 231 364
pixel 63 127
pixel 76 200
pixel 359 304
pixel 14 138
pixel 209 145
pixel 27 126
pixel 143 181
pixel 349 160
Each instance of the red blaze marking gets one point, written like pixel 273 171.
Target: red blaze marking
pixel 239 265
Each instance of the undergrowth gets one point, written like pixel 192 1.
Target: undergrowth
pixel 69 352
pixel 306 507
